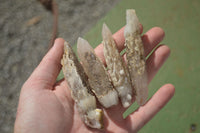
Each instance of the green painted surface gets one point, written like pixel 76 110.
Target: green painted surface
pixel 181 21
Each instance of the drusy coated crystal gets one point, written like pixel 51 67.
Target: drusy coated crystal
pixel 97 76
pixel 136 57
pixel 80 89
pixel 116 68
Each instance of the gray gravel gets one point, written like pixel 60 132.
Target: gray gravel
pixel 22 47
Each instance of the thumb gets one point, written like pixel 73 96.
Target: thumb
pixel 47 71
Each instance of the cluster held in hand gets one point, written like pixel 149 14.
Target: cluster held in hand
pixel 91 81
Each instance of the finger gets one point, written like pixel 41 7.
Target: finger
pixel 145 113
pixel 156 60
pixel 48 69
pixel 152 38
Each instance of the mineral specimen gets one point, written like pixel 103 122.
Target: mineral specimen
pixel 80 89
pixel 92 79
pixel 135 57
pixel 116 68
pixel 98 78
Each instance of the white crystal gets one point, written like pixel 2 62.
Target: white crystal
pixel 97 75
pixel 135 57
pixel 132 22
pixel 79 86
pixel 111 98
pixel 116 68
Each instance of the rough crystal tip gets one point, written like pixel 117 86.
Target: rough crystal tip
pixel 66 45
pixel 130 11
pixel 83 46
pixel 131 15
pixel 80 41
pixel 67 49
pixel 106 33
pixel 132 21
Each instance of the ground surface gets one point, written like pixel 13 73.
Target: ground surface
pixel 22 46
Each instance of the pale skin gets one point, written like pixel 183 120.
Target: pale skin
pixel 47 107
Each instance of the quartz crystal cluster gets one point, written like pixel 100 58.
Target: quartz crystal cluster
pixel 90 81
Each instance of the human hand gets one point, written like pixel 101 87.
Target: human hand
pixel 46 106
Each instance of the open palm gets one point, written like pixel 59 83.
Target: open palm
pixel 47 107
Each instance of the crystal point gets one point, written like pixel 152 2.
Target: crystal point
pixel 98 78
pixel 135 57
pixel 117 70
pixel 106 33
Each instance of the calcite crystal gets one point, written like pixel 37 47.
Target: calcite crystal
pixel 136 57
pixel 90 79
pixel 98 78
pixel 116 68
pixel 80 89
